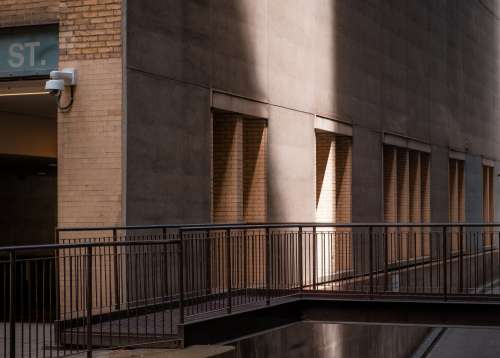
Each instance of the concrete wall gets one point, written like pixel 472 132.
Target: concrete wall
pixel 425 70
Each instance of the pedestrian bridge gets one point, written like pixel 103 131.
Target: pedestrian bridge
pixel 171 285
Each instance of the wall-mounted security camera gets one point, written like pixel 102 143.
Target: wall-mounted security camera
pixel 57 83
pixel 55 87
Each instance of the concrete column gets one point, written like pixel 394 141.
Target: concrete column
pixel 367 176
pixel 291 166
pixel 439 159
pixel 473 188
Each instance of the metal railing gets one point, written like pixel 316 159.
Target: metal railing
pixel 123 286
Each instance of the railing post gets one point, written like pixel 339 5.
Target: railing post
pixel 370 257
pixel 301 261
pixel 268 267
pixel 228 268
pixel 116 274
pixel 181 276
pixel 445 268
pixel 12 303
pixel 165 262
pixel 386 258
pixel 89 301
pixel 315 259
pixel 208 267
pixel 461 260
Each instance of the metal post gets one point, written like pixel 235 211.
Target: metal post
pixel 386 259
pixel 315 259
pixel 209 263
pixel 12 303
pixel 89 301
pixel 181 276
pixel 116 274
pixel 228 268
pixel 301 262
pixel 461 260
pixel 370 257
pixel 165 262
pixel 445 268
pixel 268 267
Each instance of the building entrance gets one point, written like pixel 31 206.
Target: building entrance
pixel 28 163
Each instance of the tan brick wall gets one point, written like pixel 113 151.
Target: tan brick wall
pixel 406 199
pixel 343 202
pixel 426 200
pixel 325 177
pixel 255 170
pixel 333 201
pixel 90 148
pixel 415 240
pixel 343 173
pixel 28 12
pixel 461 191
pixel 403 185
pixel 239 189
pixel 90 29
pixel 390 185
pixel 488 205
pixel 227 169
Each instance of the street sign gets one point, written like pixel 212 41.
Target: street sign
pixel 28 51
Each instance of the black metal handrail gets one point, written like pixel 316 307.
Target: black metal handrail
pixel 132 287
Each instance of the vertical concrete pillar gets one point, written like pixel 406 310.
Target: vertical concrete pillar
pixel 439 159
pixel 367 176
pixel 473 188
pixel 291 166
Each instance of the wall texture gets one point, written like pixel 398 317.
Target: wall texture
pixel 28 12
pixel 422 69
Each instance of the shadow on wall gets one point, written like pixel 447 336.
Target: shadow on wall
pixel 176 51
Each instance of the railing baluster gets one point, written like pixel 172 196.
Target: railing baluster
pixel 268 267
pixel 370 258
pixel 89 301
pixel 315 259
pixel 116 273
pixel 12 303
pixel 445 268
pixel 228 267
pixel 181 276
pixel 301 261
pixel 386 259
pixel 461 260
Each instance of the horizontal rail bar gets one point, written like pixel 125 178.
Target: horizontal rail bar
pixel 204 226
pixel 88 244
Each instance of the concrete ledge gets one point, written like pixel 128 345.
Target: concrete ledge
pixel 200 351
